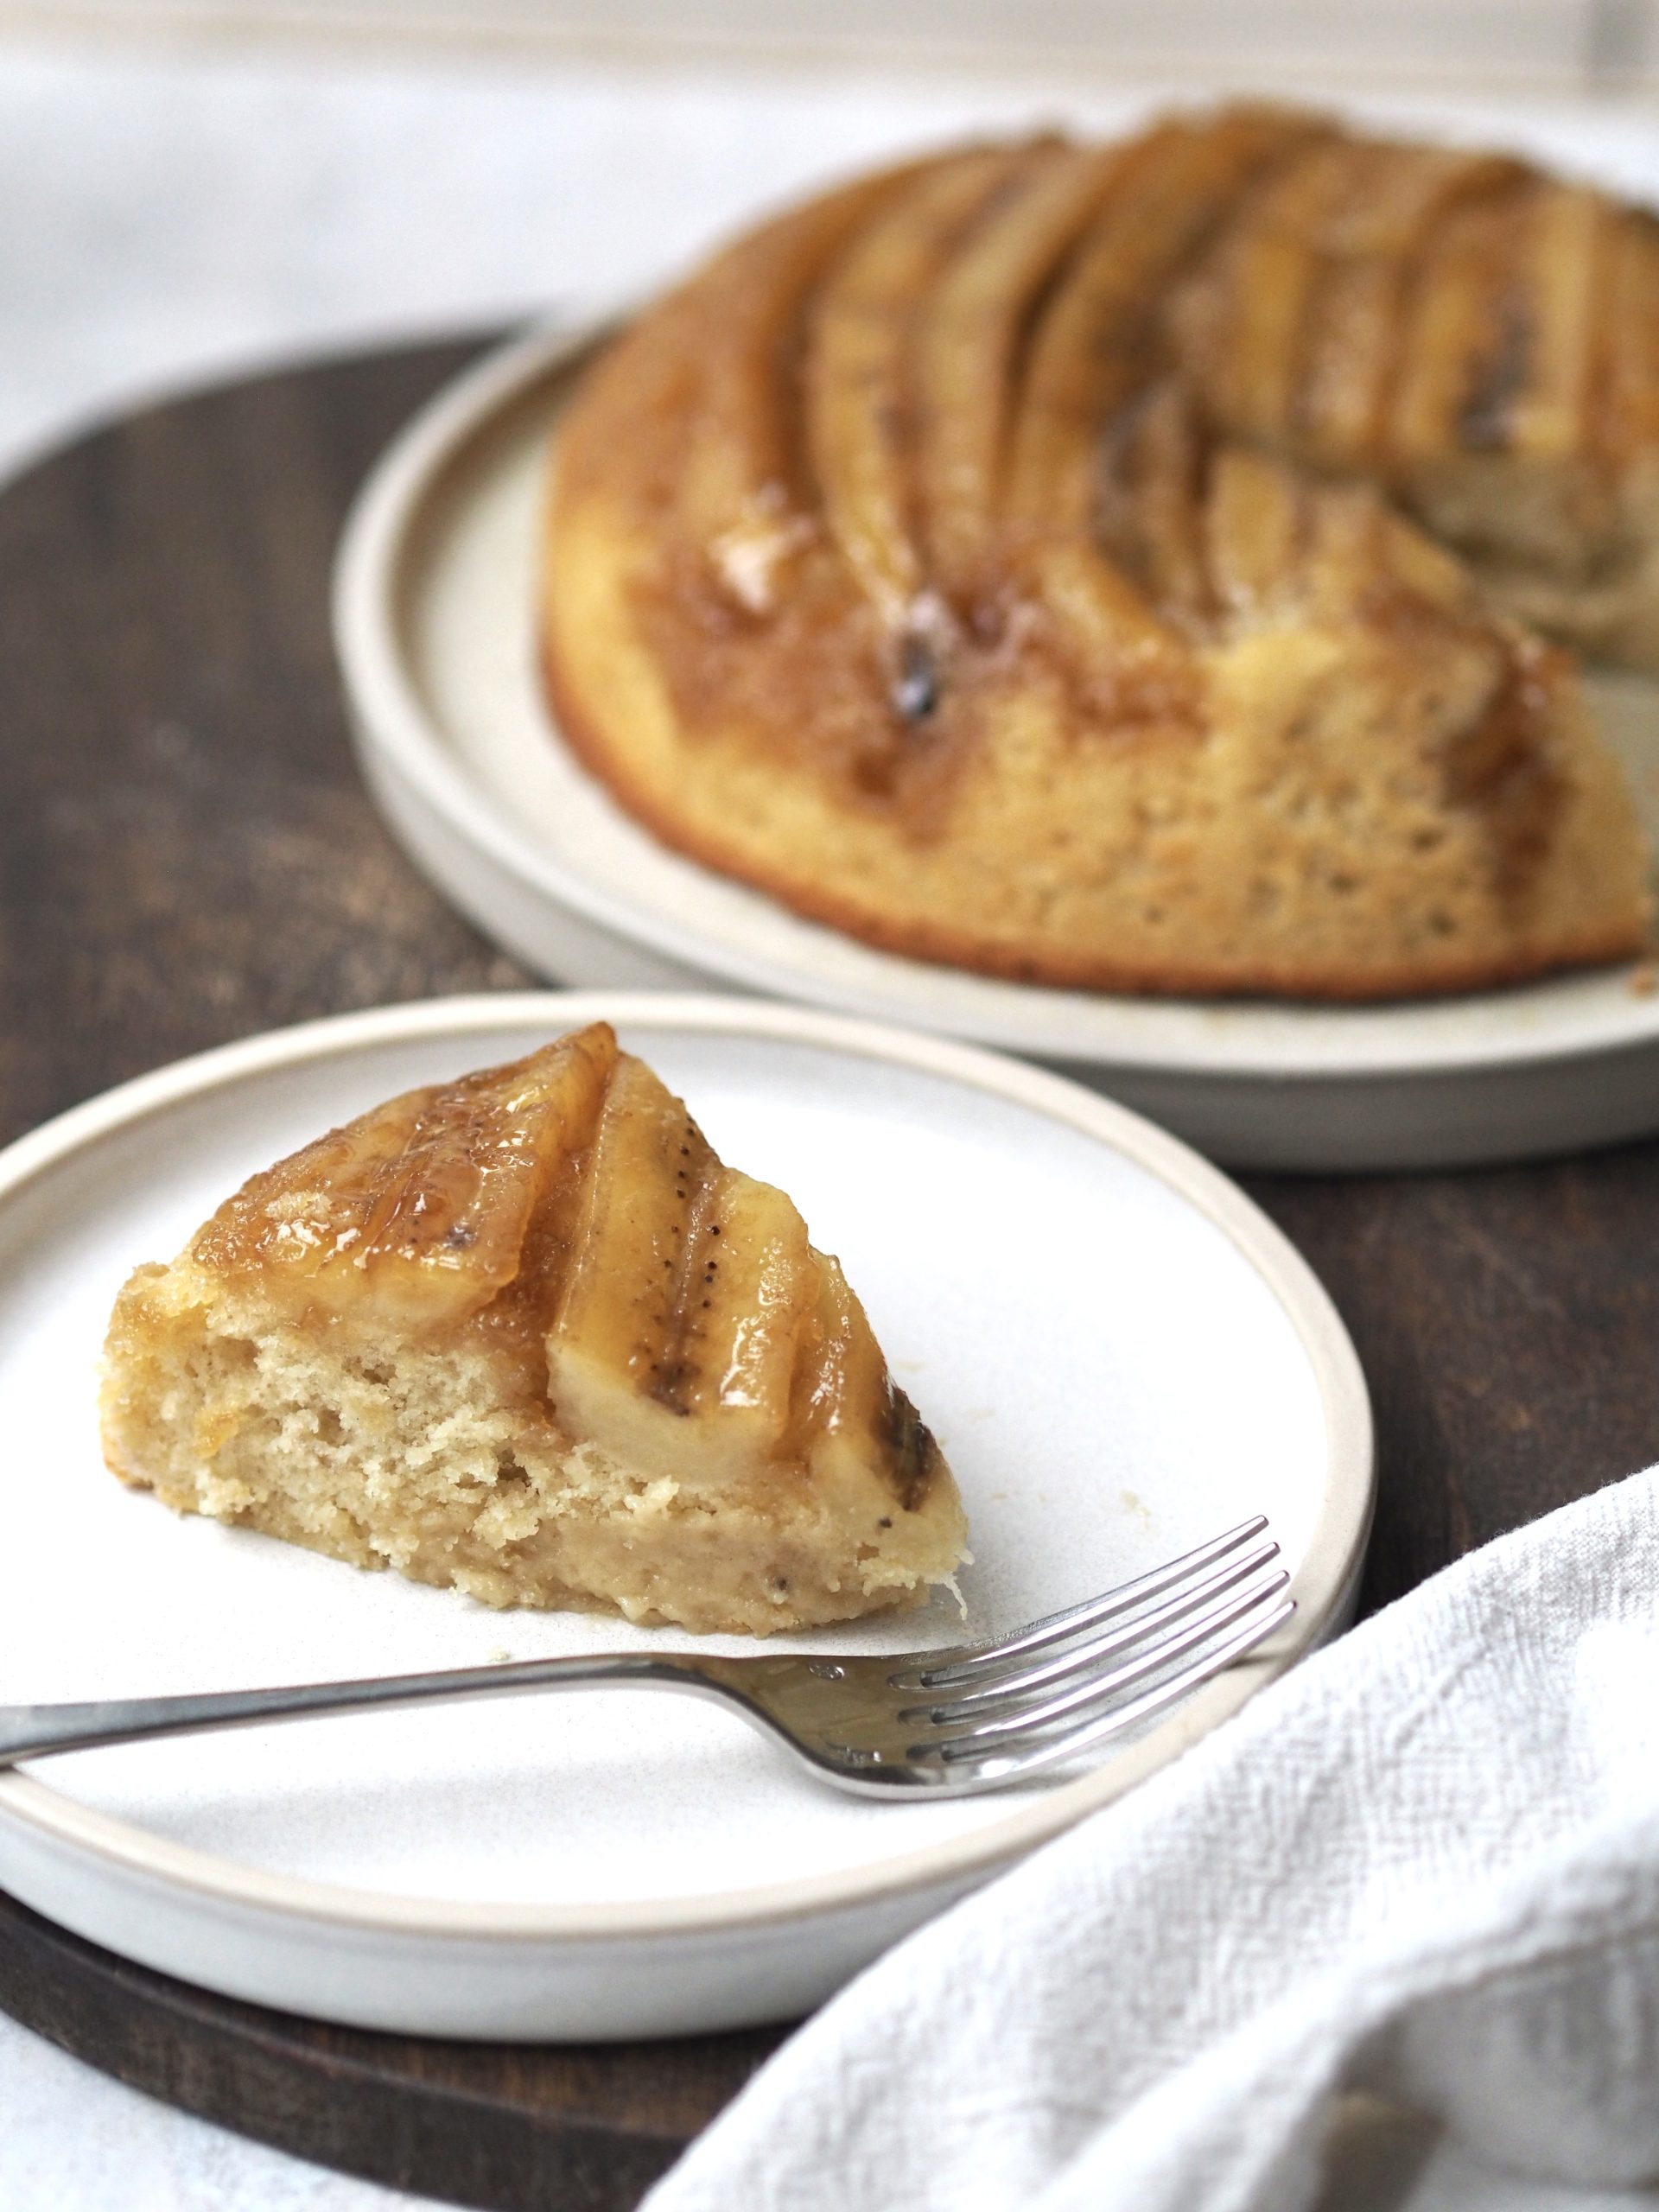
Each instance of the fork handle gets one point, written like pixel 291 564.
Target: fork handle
pixel 31 1731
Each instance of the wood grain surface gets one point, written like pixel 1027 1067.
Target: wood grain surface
pixel 187 856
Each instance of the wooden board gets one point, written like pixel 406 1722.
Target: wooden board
pixel 186 856
pixel 548 2130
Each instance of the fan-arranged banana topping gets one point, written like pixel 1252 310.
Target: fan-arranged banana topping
pixel 933 492
pixel 669 1309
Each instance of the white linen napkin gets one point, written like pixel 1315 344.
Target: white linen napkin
pixel 1425 1864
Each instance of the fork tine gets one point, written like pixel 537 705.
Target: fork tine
pixel 966 1660
pixel 1013 1758
pixel 1016 1679
pixel 1029 1720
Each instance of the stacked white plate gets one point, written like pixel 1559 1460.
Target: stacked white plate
pixel 1122 1356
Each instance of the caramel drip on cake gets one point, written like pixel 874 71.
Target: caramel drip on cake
pixel 1003 526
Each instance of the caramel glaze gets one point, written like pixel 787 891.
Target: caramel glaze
pixel 911 1450
pixel 868 599
pixel 467 1207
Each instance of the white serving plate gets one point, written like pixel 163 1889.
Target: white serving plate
pixel 435 627
pixel 1122 1356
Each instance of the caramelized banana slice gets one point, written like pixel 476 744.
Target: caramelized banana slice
pixel 1562 272
pixel 1086 356
pixel 1255 521
pixel 617 1328
pixel 1247 352
pixel 969 329
pixel 736 328
pixel 419 1208
pixel 1369 244
pixel 1629 424
pixel 855 390
pixel 1460 349
pixel 677 1333
pixel 845 1398
pixel 1149 517
pixel 1081 364
pixel 731 487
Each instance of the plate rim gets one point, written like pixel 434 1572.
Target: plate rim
pixel 392 729
pixel 1324 1583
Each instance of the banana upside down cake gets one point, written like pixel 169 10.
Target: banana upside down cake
pixel 522 1334
pixel 1158 567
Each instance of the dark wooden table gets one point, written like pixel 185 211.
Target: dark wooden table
pixel 186 856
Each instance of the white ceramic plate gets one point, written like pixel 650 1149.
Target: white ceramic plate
pixel 434 620
pixel 1122 1356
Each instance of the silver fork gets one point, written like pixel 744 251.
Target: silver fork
pixel 941 1723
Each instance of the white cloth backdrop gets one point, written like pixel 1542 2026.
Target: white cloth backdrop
pixel 178 211
pixel 175 214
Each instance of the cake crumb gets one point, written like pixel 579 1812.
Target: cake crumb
pixel 1643 979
